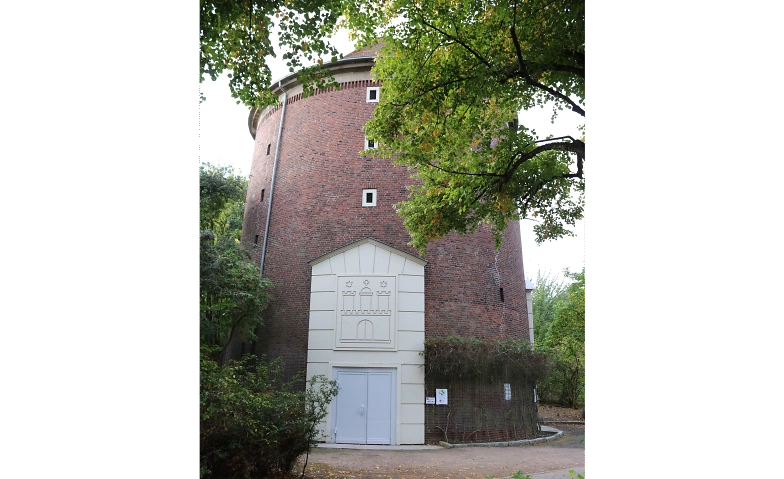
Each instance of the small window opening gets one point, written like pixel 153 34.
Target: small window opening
pixel 262 195
pixel 268 148
pixel 502 294
pixel 372 94
pixel 256 241
pixel 369 197
pixel 370 144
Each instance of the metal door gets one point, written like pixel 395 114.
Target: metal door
pixel 364 413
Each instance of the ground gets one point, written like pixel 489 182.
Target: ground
pixel 557 413
pixel 458 463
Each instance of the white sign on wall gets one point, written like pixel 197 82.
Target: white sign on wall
pixel 441 396
pixel 430 400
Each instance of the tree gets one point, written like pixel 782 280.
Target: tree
pixel 455 74
pixel 235 37
pixel 559 313
pixel 548 291
pixel 232 293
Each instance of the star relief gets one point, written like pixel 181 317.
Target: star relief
pixel 383 284
pixel 348 284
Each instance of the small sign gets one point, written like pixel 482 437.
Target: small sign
pixel 441 396
pixel 508 391
pixel 430 400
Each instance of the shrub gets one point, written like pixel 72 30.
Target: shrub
pixel 253 425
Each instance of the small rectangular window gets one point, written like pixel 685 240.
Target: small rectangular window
pixel 268 148
pixel 370 144
pixel 256 241
pixel 502 295
pixel 262 195
pixel 369 197
pixel 373 94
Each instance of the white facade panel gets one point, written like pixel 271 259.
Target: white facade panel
pixel 367 255
pixel 410 301
pixel 318 368
pixel 412 433
pixel 413 373
pixel 411 340
pixel 413 268
pixel 411 284
pixel 338 263
pixel 411 321
pixel 323 283
pixel 412 413
pixel 321 268
pixel 321 339
pixel 322 301
pixel 381 263
pixel 322 320
pixel 396 264
pixel 352 260
pixel 411 393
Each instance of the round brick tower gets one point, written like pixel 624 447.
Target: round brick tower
pixel 352 300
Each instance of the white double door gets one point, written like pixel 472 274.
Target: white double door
pixel 364 408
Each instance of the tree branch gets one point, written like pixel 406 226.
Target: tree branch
pixel 527 77
pixel 457 40
pixel 576 146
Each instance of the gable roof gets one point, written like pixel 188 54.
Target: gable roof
pixel 365 52
pixel 375 243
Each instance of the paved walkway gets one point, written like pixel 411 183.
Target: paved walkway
pixel 543 457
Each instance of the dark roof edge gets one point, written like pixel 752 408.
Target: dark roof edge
pixel 289 81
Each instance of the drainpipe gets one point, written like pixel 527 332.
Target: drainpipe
pixel 272 186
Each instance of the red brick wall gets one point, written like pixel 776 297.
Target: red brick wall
pixel 317 208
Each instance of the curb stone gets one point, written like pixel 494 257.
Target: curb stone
pixel 522 442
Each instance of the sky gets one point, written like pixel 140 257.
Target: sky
pixel 224 139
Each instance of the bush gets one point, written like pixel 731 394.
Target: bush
pixel 253 425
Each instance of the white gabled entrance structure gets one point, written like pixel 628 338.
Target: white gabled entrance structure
pixel 367 330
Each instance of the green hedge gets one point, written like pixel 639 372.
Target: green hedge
pixel 253 425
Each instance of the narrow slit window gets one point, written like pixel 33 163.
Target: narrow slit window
pixel 262 195
pixel 369 197
pixel 268 148
pixel 373 94
pixel 502 294
pixel 256 241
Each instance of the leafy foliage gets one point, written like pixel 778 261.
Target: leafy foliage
pixel 461 358
pixel 252 423
pixel 235 37
pixel 221 197
pixel 454 76
pixel 548 290
pixel 559 314
pixel 232 293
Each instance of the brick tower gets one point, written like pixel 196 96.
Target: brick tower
pixel 352 300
